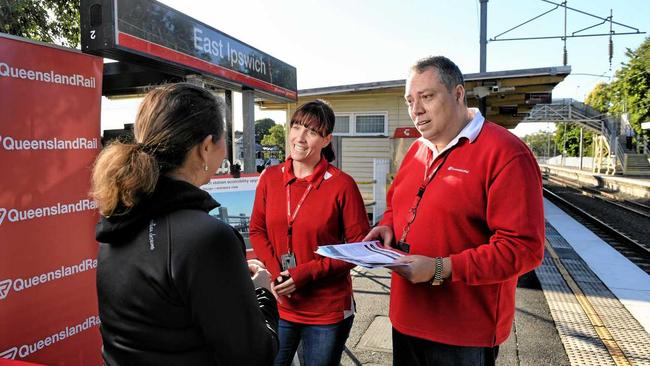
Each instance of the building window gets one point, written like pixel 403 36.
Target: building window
pixel 342 125
pixel 361 124
pixel 370 124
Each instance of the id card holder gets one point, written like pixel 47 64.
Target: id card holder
pixel 288 261
pixel 403 246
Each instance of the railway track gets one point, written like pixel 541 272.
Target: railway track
pixel 611 198
pixel 618 232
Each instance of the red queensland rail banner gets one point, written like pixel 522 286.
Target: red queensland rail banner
pixel 50 100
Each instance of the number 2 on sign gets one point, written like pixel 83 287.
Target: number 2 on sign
pixel 92 34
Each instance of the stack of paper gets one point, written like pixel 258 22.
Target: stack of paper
pixel 367 254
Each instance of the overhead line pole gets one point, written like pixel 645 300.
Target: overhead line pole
pixel 483 51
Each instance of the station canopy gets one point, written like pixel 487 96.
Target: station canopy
pixel 509 94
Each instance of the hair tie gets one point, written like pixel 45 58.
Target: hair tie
pixel 140 147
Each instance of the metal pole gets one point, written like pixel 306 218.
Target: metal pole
pixel 581 129
pixel 230 153
pixel 565 57
pixel 248 109
pixel 548 143
pixel 483 40
pixel 482 103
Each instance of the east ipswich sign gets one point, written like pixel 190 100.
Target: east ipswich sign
pixel 153 34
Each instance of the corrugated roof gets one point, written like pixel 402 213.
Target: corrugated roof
pixel 555 70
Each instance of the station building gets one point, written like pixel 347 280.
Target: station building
pixel 373 129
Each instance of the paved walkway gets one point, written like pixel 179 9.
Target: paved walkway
pixel 533 341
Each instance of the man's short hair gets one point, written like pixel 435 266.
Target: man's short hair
pixel 448 72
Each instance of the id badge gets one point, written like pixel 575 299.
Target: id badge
pixel 288 261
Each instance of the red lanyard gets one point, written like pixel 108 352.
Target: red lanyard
pixel 291 218
pixel 418 197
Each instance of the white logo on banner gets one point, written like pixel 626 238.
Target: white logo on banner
pixel 80 143
pixel 9 354
pixel 5 286
pixel 20 284
pixel 15 215
pixel 27 349
pixel 46 76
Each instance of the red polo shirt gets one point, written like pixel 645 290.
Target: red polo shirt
pixel 332 213
pixel 484 210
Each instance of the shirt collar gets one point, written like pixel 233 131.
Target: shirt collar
pixel 470 132
pixel 315 178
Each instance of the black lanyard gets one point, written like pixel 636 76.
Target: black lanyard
pixel 402 244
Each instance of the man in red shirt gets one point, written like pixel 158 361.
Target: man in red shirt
pixel 466 204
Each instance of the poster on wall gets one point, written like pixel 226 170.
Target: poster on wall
pixel 49 137
pixel 236 197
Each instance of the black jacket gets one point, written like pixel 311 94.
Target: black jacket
pixel 174 287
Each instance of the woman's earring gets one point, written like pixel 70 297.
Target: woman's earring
pixel 205 167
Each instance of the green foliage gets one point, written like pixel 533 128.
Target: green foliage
pixel 541 143
pixel 599 98
pixel 567 139
pixel 276 136
pixel 53 21
pixel 630 90
pixel 262 127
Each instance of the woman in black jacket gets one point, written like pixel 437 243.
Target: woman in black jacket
pixel 173 284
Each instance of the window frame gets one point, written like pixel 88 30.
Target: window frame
pixel 352 128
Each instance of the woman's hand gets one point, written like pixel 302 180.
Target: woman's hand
pixel 284 284
pixel 253 264
pixel 259 275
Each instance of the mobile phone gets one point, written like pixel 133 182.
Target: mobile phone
pixel 279 281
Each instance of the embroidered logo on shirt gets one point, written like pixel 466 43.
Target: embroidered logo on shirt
pixel 458 170
pixel 152 224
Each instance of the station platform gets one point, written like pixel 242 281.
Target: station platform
pixel 585 305
pixel 629 186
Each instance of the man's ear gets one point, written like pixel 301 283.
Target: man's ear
pixel 459 93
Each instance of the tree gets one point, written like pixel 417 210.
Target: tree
pixel 630 90
pixel 275 137
pixel 53 21
pixel 599 98
pixel 540 143
pixel 567 140
pixel 262 127
pixel 631 87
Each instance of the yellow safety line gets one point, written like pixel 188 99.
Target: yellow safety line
pixel 602 331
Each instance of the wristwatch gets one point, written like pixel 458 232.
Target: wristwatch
pixel 437 274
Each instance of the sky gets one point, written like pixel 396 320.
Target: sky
pixel 338 42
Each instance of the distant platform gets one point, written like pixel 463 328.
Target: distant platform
pixel 638 187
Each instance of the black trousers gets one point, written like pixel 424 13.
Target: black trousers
pixel 412 351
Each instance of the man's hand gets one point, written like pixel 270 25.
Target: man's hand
pixel 420 268
pixel 382 233
pixel 285 285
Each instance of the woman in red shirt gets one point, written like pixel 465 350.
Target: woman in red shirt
pixel 299 205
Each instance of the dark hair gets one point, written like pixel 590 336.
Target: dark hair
pixel 448 72
pixel 317 116
pixel 171 120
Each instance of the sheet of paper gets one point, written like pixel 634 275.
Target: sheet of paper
pixel 367 254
